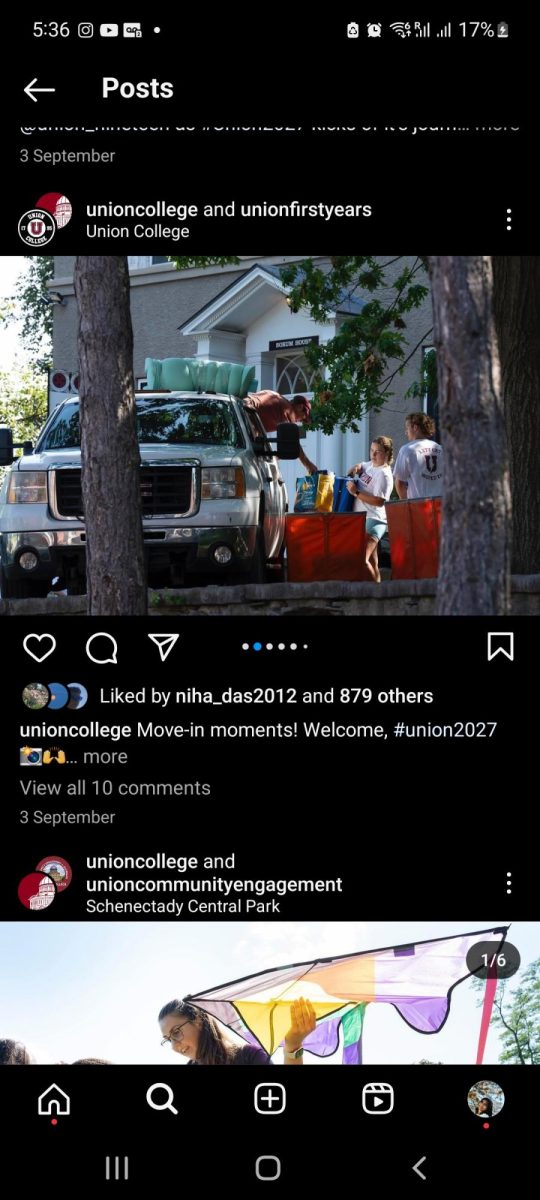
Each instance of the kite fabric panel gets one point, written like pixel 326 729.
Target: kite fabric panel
pixel 417 979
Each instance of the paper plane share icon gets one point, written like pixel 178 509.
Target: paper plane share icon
pixel 165 642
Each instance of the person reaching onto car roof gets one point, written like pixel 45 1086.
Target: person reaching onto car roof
pixel 274 409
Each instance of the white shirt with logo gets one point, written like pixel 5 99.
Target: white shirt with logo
pixel 378 481
pixel 419 464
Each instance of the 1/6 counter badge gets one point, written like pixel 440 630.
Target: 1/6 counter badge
pixel 38 226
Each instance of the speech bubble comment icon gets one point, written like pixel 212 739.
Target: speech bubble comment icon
pixel 104 648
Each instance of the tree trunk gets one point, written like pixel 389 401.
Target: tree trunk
pixel 109 449
pixel 474 574
pixel 516 303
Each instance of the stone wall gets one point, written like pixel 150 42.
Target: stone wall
pixel 398 598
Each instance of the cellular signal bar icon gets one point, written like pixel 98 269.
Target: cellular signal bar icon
pixel 446 31
pixel 421 30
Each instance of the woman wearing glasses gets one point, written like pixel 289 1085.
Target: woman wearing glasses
pixel 206 1042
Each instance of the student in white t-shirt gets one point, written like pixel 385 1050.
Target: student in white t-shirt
pixel 371 488
pixel 418 472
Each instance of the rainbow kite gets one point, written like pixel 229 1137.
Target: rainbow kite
pixel 418 979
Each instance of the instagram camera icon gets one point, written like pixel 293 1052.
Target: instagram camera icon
pixel 352 29
pixel 86 29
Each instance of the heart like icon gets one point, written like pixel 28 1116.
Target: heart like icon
pixel 39 637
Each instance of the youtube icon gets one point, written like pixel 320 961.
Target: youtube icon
pixel 108 30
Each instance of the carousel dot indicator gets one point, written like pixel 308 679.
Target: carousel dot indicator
pixel 294 646
pixel 257 645
pixel 281 646
pixel 245 645
pixel 269 646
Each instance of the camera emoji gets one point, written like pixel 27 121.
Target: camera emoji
pixel 374 30
pixel 352 29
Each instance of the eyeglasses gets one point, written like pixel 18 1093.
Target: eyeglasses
pixel 174 1034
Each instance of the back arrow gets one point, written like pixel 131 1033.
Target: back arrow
pixel 30 89
pixel 419 1164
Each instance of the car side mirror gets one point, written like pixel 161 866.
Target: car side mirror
pixel 288 440
pixel 6 446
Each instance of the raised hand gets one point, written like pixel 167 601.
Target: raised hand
pixel 303 1022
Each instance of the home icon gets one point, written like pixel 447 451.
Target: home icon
pixel 54 1102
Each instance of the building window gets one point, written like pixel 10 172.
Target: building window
pixel 136 261
pixel 294 374
pixel 430 383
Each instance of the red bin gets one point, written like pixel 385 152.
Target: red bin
pixel 326 546
pixel 414 528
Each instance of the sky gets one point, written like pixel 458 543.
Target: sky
pixel 94 989
pixel 11 266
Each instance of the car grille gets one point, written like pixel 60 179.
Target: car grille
pixel 164 491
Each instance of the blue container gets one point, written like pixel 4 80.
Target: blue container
pixel 343 501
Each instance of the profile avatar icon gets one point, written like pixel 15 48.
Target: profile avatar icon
pixel 59 695
pixel 78 695
pixel 58 205
pixel 36 695
pixel 58 870
pixel 485 1100
pixel 36 891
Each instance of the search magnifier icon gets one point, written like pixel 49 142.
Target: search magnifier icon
pixel 168 1103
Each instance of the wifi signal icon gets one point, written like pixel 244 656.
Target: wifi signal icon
pixel 403 29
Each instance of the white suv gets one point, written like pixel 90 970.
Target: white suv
pixel 213 499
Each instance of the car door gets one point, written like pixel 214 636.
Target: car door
pixel 275 492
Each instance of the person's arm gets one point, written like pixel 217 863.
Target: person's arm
pixel 303 1022
pixel 366 497
pixel 401 473
pixel 306 462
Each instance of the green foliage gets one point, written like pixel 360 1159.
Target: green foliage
pixel 29 304
pixel 428 384
pixel 352 369
pixel 182 264
pixel 23 401
pixel 516 1013
pixel 23 404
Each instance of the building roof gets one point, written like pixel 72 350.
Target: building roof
pixel 244 300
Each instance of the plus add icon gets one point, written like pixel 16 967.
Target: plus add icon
pixel 270 1098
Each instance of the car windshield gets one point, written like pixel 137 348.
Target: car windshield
pixel 160 419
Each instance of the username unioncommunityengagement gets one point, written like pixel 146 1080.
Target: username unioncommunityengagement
pixel 192 888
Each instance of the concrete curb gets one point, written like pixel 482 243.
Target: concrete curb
pixel 414 597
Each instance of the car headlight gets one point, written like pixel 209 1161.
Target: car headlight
pixel 27 487
pixel 222 483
